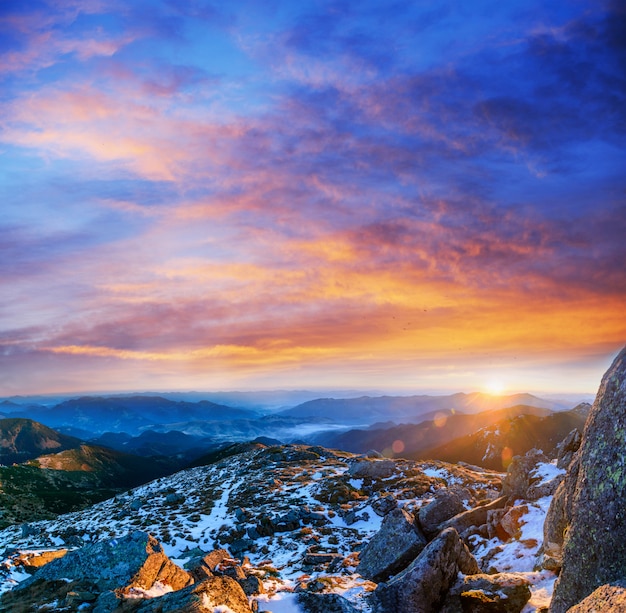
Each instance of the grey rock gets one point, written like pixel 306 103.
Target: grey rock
pixel 202 598
pixel 568 447
pixel 317 559
pixel 446 504
pixel 605 599
pixel 424 584
pixel 384 504
pixel 594 548
pixel 518 477
pixel 174 498
pixel 136 560
pixel 324 603
pixel 554 530
pixel 214 558
pixel 474 517
pixel 499 593
pixel 252 585
pixel 392 548
pixel 372 469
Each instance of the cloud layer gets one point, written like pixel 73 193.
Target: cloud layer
pixel 333 195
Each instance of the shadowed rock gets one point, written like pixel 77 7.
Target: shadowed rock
pixel 499 593
pixel 593 503
pixel 423 585
pixel 446 504
pixel 136 561
pixel 392 548
pixel 324 603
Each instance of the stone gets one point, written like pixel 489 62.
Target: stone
pixel 317 559
pixel 446 504
pixel 498 593
pixel 392 548
pixel 252 585
pixel 518 477
pixel 32 561
pixel 215 593
pixel 605 599
pixel 324 603
pixel 474 517
pixel 134 561
pixel 372 469
pixel 384 504
pixel 512 521
pixel 567 448
pixel 554 531
pixel 594 547
pixel 424 584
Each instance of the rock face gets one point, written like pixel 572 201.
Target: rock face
pixel 605 599
pixel 594 498
pixel 324 603
pixel 518 480
pixel 372 469
pixel 423 585
pixel 214 594
pixel 133 562
pixel 446 504
pixel 392 548
pixel 499 593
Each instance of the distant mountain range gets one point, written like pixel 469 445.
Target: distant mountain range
pixel 412 409
pixel 128 413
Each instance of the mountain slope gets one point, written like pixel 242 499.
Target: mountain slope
pixel 493 446
pixel 131 413
pixel 411 440
pixel 412 409
pixel 23 439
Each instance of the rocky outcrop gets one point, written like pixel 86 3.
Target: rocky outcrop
pixel 136 561
pixel 594 500
pixel 392 548
pixel 519 477
pixel 324 603
pixel 446 504
pixel 499 593
pixel 214 594
pixel 605 599
pixel 567 448
pixel 423 585
pixel 472 519
pixel 372 469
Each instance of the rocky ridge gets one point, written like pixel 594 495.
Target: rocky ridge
pixel 294 521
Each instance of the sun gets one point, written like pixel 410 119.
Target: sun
pixel 495 387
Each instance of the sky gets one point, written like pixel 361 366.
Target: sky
pixel 311 195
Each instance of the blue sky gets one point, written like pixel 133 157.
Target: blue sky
pixel 314 194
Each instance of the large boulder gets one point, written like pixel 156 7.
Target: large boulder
pixel 605 599
pixel 594 506
pixel 567 448
pixel 372 469
pixel 324 603
pixel 519 477
pixel 499 593
pixel 213 594
pixel 129 564
pixel 472 519
pixel 392 548
pixel 446 504
pixel 423 585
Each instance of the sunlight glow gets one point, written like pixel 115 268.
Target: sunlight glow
pixel 495 387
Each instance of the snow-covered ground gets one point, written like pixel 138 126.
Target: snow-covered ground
pixel 200 509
